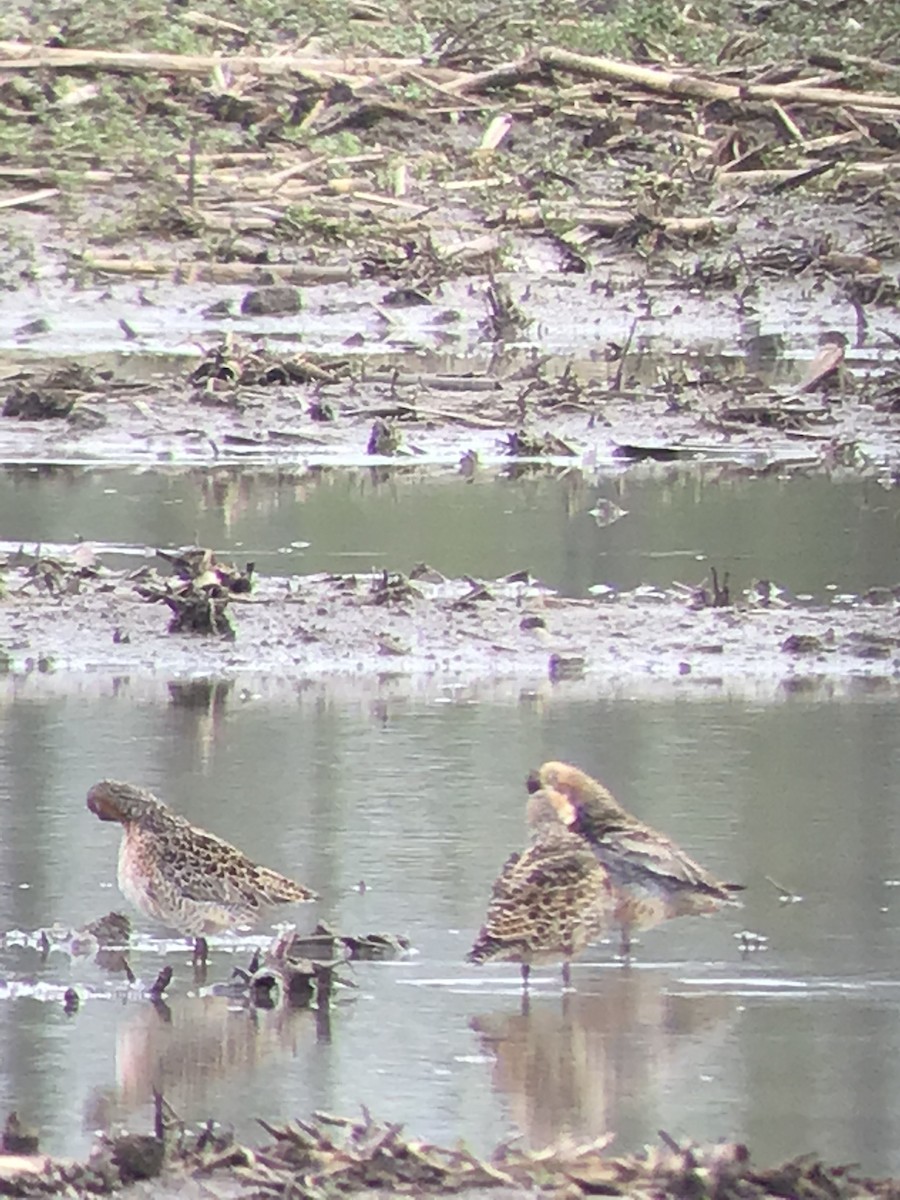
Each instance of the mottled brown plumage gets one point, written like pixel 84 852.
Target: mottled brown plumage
pixel 183 876
pixel 652 877
pixel 549 901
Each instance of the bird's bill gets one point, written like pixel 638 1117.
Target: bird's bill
pixel 102 804
pixel 546 802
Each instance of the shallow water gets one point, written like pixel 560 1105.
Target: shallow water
pixel 565 317
pixel 793 1047
pixel 812 534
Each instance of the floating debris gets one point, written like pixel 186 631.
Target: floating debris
pixel 607 512
pixel 827 364
pixel 280 977
pixel 786 896
pixel 60 394
pixel 114 929
pixel 713 595
pixel 749 941
pixel 505 319
pixel 424 573
pixel 52 573
pixel 232 364
pixel 325 942
pixel 16 1138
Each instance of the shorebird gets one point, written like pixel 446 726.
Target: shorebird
pixel 549 901
pixel 652 877
pixel 182 876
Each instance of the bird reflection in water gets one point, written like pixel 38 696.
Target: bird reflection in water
pixel 191 1048
pixel 584 1065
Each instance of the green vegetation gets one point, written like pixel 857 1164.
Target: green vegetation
pixel 141 151
pixel 468 33
pixel 79 120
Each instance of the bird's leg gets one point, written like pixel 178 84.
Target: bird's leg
pixel 625 944
pixel 526 971
pixel 567 976
pixel 201 951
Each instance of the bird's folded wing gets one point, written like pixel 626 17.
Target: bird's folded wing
pixel 646 852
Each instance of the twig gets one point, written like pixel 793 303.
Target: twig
pixel 226 272
pixel 610 220
pixel 787 122
pixel 669 1141
pixel 162 981
pixel 440 383
pixel 37 197
pixel 667 82
pixel 506 75
pixel 617 378
pixel 25 56
pixel 414 411
pixel 674 84
pixel 786 893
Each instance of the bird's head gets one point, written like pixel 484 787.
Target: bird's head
pixel 111 800
pixel 589 801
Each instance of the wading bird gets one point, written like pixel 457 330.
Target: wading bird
pixel 183 876
pixel 549 901
pixel 652 877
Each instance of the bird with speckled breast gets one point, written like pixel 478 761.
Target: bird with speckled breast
pixel 551 900
pixel 652 877
pixel 182 876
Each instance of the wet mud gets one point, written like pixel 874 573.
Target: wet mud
pixel 644 364
pixel 75 615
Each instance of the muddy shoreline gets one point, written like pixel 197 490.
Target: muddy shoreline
pixel 60 618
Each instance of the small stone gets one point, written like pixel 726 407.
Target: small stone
pixel 802 643
pixel 532 622
pixel 277 300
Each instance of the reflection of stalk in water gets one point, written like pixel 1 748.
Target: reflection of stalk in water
pixel 185 1047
